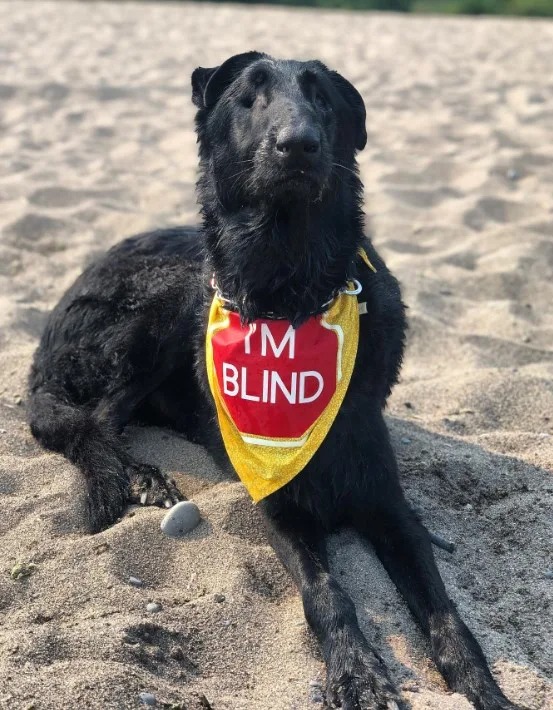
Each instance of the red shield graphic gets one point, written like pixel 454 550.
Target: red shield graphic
pixel 275 380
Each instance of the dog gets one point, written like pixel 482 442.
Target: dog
pixel 144 332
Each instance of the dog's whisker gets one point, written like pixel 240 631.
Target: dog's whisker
pixel 339 165
pixel 241 172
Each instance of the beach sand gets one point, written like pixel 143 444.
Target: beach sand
pixel 96 143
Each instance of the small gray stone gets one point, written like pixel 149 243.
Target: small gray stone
pixel 405 440
pixel 513 174
pixel 219 597
pixel 147 699
pixel 153 607
pixel 130 640
pixel 548 574
pixel 136 582
pixel 180 519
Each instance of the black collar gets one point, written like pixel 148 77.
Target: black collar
pixel 234 306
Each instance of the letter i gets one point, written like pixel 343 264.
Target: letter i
pixel 265 394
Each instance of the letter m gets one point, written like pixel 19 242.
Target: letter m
pixel 267 337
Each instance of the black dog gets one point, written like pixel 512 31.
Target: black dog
pixel 282 229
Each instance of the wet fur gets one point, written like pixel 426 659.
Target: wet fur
pixel 126 342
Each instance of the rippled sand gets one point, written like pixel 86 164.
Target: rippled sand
pixel 96 142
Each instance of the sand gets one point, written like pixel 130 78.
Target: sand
pixel 96 142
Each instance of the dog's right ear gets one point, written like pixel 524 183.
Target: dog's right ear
pixel 200 77
pixel 209 84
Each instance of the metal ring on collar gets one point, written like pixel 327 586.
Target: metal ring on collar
pixel 353 292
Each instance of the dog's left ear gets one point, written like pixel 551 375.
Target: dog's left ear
pixel 355 102
pixel 209 84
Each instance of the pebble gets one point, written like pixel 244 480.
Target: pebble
pixel 147 699
pixel 131 640
pixel 136 582
pixel 513 174
pixel 406 440
pixel 22 569
pixel 549 574
pixel 153 607
pixel 180 519
pixel 219 597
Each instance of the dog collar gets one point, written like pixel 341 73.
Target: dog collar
pixel 233 305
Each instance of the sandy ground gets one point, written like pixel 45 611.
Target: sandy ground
pixel 96 142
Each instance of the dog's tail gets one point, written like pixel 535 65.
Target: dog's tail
pixel 88 440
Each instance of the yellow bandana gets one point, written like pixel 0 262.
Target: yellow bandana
pixel 277 390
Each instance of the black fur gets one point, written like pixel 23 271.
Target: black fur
pixel 282 224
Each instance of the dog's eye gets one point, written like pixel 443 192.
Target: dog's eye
pixel 260 77
pixel 321 101
pixel 247 101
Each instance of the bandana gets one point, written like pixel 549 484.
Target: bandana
pixel 277 390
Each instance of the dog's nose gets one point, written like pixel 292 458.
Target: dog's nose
pixel 301 142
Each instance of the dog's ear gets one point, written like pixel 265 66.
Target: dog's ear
pixel 200 77
pixel 209 84
pixel 355 102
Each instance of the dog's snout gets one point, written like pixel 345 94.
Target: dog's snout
pixel 298 142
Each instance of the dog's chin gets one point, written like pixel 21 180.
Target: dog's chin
pixel 295 185
pixel 299 186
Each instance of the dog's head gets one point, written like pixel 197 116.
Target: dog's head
pixel 272 129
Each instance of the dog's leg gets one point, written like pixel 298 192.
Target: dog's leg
pixel 357 678
pixel 147 485
pixel 404 548
pixel 90 438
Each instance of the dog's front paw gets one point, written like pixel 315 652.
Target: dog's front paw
pixel 149 486
pixel 358 680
